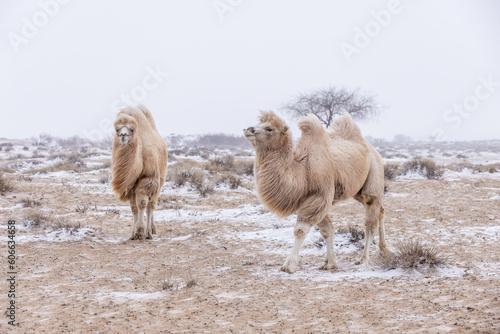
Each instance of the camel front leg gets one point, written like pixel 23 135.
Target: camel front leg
pixel 291 262
pixel 313 211
pixel 139 232
pixel 133 207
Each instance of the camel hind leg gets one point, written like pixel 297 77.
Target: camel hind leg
pixel 328 233
pixel 144 192
pixel 374 211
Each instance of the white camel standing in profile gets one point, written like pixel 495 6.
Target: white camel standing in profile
pixel 326 166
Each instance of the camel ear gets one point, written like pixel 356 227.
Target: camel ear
pixel 285 129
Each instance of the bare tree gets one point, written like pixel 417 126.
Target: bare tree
pixel 330 102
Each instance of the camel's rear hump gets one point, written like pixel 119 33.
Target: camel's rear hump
pixel 345 128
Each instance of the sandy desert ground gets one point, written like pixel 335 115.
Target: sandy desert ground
pixel 214 265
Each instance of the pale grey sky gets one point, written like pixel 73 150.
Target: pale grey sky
pixel 66 66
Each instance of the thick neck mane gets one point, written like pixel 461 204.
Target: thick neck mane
pixel 281 180
pixel 127 165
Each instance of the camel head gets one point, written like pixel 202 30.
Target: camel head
pixel 271 132
pixel 125 127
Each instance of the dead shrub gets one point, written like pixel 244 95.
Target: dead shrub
pixel 424 167
pixel 244 167
pixel 229 178
pixel 221 164
pixel 29 203
pixel 36 218
pixel 5 185
pixel 391 170
pixel 83 208
pixel 355 233
pixel 104 178
pixel 412 254
pixel 191 281
pixel 205 189
pixel 184 172
pixel 170 202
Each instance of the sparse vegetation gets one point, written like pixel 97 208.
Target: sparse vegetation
pixel 29 203
pixel 112 211
pixel 82 208
pixel 5 185
pixel 104 178
pixel 229 178
pixel 355 232
pixel 425 167
pixel 37 218
pixel 413 254
pixel 220 164
pixel 391 170
pixel 189 172
pixel 319 243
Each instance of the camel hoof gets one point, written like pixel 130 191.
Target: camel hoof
pixel 149 237
pixel 139 235
pixel 287 270
pixel 289 267
pixel 327 266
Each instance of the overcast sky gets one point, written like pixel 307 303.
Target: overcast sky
pixel 209 66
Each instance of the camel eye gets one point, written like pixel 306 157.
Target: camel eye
pixel 269 130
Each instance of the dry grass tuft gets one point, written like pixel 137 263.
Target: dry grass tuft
pixel 37 218
pixel 412 254
pixel 82 209
pixel 29 203
pixel 5 185
pixel 105 178
pixel 355 233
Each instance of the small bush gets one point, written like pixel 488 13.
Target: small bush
pixel 244 167
pixel 185 172
pixel 5 185
pixel 83 208
pixel 205 189
pixel 36 219
pixel 191 281
pixel 390 170
pixel 29 203
pixel 229 178
pixel 168 202
pixel 319 243
pixel 112 211
pixel 425 167
pixel 413 254
pixel 104 178
pixel 355 233
pixel 220 164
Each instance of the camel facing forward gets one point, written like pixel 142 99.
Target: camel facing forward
pixel 139 163
pixel 326 166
